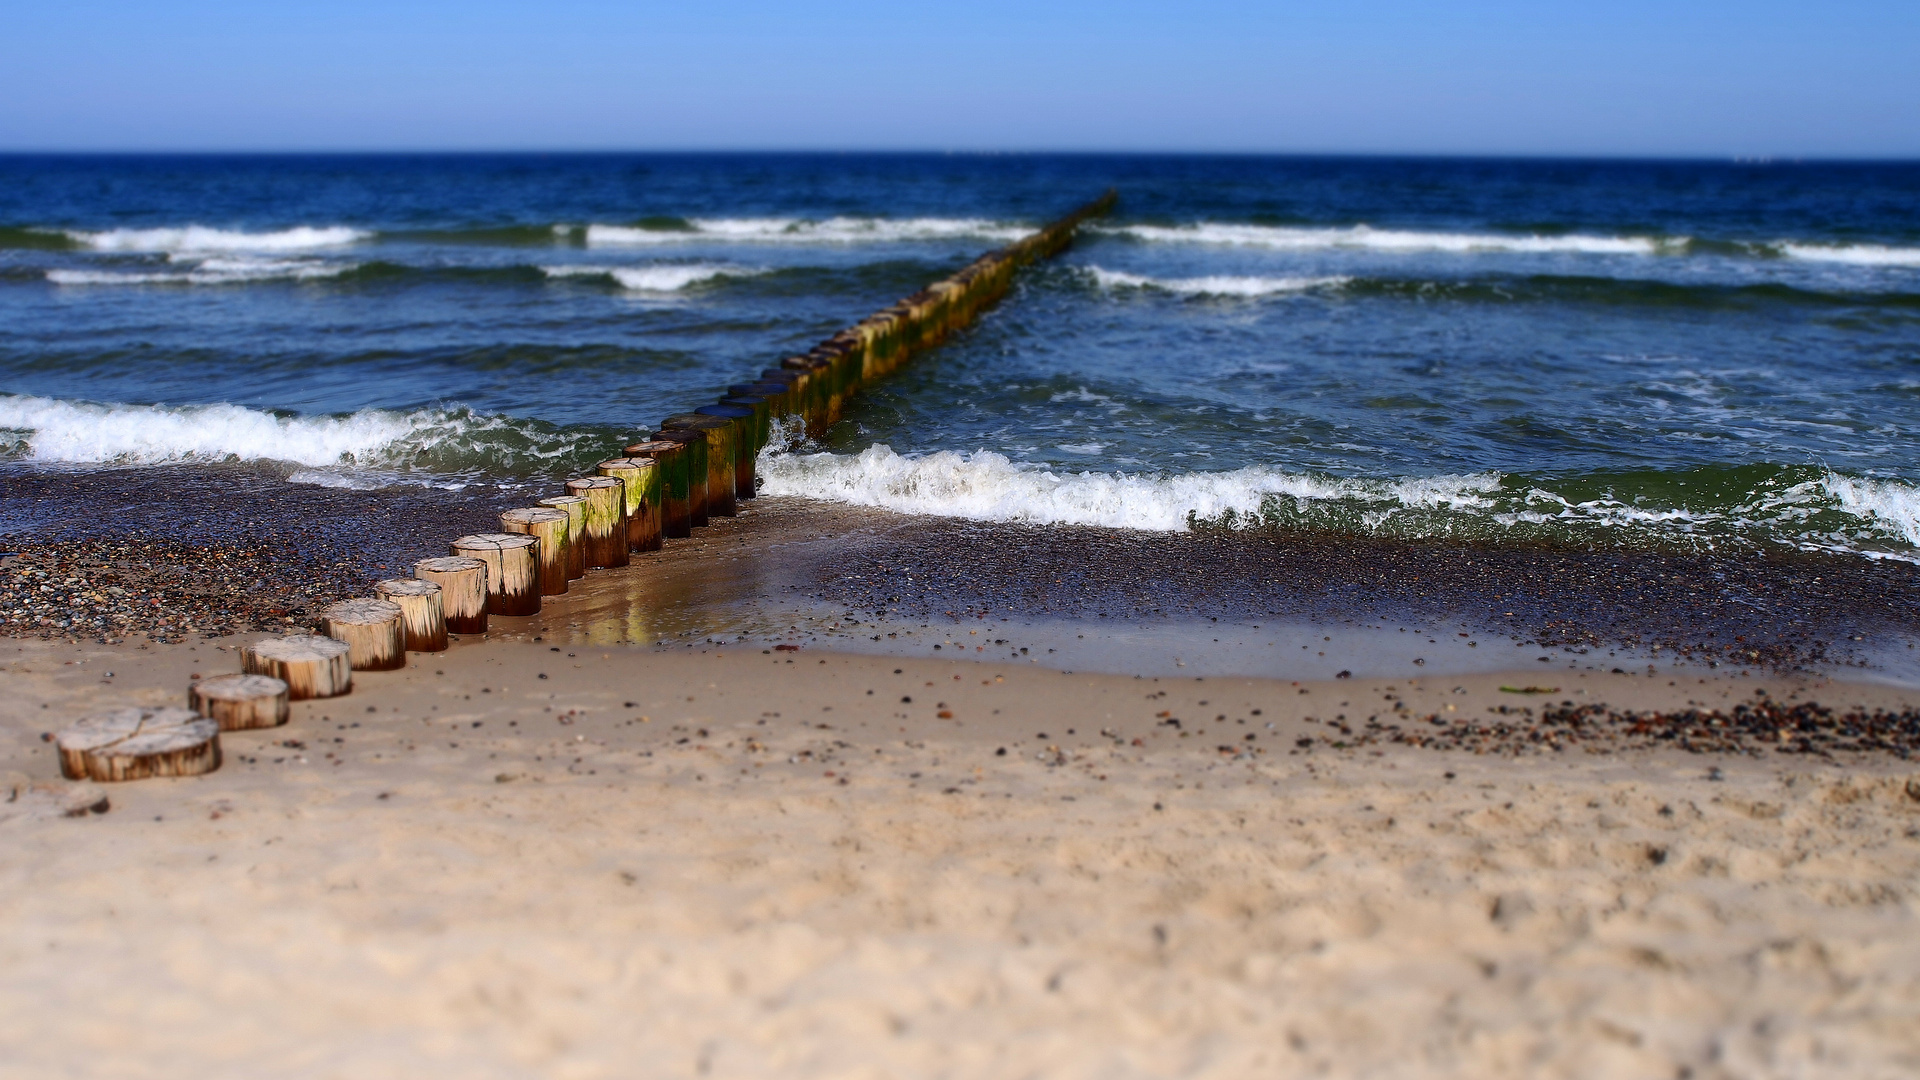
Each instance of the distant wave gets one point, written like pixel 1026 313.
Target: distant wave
pixel 197 238
pixel 836 230
pixel 664 278
pixel 1854 254
pixel 1367 238
pixel 1214 285
pixel 350 448
pixel 1811 509
pixel 228 270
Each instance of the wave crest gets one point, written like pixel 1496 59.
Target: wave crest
pixel 1216 285
pixel 668 278
pixel 1367 238
pixel 194 238
pixel 835 230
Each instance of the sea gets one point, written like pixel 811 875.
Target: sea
pixel 1717 355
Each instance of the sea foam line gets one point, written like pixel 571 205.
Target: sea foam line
pixel 1853 254
pixel 668 278
pixel 223 270
pixel 1216 285
pixel 836 230
pixel 195 238
pixel 1367 238
pixel 985 486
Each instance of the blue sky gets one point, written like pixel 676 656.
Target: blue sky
pixel 1836 78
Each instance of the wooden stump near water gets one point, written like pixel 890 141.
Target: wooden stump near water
pixel 718 434
pixel 312 666
pixel 575 507
pixel 240 702
pixel 463 590
pixel 693 448
pixel 670 471
pixel 553 527
pixel 513 570
pixel 745 420
pixel 375 636
pixel 606 535
pixel 641 481
pixel 423 610
pixel 134 744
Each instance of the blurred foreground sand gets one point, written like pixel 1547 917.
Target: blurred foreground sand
pixel 742 864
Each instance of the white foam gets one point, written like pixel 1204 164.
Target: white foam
pixel 1215 285
pixel 199 238
pixel 985 486
pixel 87 433
pixel 225 270
pixel 666 278
pixel 836 230
pixel 1856 254
pixel 1367 238
pixel 1892 504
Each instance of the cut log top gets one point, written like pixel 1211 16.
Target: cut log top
pixel 407 586
pixel 497 541
pixel 650 449
pixel 364 611
pixel 239 687
pixel 533 515
pixel 562 501
pixel 298 648
pixel 591 483
pixel 155 729
pixel 626 463
pixel 448 564
pixel 131 744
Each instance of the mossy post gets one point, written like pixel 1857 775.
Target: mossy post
pixel 746 442
pixel 721 439
pixel 606 535
pixel 693 447
pixel 642 483
pixel 575 508
pixel 553 527
pixel 670 481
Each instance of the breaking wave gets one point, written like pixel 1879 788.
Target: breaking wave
pixel 1367 238
pixel 344 450
pixel 199 238
pixel 1799 507
pixel 1214 285
pixel 835 230
pixel 225 270
pixel 668 278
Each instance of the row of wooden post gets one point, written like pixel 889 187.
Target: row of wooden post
pixel 698 466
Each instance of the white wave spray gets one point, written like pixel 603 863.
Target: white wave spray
pixel 1367 238
pixel 199 238
pixel 664 278
pixel 1216 285
pixel 837 230
pixel 985 486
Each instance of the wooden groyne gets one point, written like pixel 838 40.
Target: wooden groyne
pixel 662 485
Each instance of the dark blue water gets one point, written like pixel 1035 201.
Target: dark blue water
pixel 1613 352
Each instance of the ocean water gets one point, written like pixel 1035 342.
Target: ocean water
pixel 1702 354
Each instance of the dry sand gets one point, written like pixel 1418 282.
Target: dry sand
pixel 740 863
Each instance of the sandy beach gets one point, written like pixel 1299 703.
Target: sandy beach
pixel 523 859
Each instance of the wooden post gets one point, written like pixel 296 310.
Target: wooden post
pixel 133 744
pixel 312 666
pixel 606 534
pixel 670 472
pixel 423 611
pixel 463 591
pixel 376 639
pixel 718 433
pixel 576 511
pixel 693 448
pixel 746 435
pixel 556 544
pixel 240 702
pixel 642 482
pixel 513 570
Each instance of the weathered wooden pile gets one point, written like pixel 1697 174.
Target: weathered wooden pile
pixel 697 466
